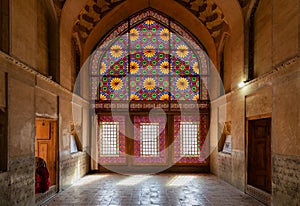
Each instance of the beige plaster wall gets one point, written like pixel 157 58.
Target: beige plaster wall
pixel 65 119
pixel 23 22
pixel 31 95
pixel 220 113
pixel 286 115
pixel 42 60
pixel 2 90
pixel 259 102
pixel 21 118
pixel 227 65
pixel 45 103
pixel 263 38
pixel 69 14
pixel 285 30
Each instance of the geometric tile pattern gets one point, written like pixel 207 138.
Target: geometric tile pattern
pixel 149 57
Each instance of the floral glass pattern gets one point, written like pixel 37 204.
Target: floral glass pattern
pixel 149 57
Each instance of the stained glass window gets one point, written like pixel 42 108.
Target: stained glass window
pixel 149 139
pixel 149 57
pixel 189 139
pixel 111 139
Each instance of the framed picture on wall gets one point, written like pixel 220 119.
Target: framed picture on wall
pixel 227 144
pixel 73 145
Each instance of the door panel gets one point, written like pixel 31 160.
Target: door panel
pixel 43 130
pixel 259 154
pixel 46 145
pixel 43 151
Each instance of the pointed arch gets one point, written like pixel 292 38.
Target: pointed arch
pixel 149 57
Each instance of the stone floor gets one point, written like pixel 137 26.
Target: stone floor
pixel 166 189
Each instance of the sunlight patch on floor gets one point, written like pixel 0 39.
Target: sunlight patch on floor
pixel 133 180
pixel 89 179
pixel 180 180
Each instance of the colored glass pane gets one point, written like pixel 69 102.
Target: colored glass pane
pixel 149 140
pixel 189 137
pixel 153 47
pixel 111 139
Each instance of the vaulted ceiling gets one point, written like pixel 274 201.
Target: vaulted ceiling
pixel 206 11
pixel 91 14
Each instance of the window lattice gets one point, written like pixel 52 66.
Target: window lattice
pixel 152 58
pixel 149 139
pixel 189 139
pixel 109 139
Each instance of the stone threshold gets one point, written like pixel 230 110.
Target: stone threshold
pixel 41 198
pixel 259 194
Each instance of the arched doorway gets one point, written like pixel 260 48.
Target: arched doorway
pixel 149 86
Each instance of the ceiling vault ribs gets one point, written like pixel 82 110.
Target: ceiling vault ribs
pixel 205 10
pixel 209 14
pixel 90 15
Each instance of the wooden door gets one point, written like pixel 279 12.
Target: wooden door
pixel 46 145
pixel 259 154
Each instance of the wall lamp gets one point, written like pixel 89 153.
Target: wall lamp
pixel 242 83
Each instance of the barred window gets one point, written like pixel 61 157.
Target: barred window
pixel 149 139
pixel 189 139
pixel 109 139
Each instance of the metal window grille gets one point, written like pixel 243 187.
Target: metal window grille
pixel 109 139
pixel 189 139
pixel 149 139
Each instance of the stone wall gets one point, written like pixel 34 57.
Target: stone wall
pixel 32 95
pixel 274 93
pixel 4 188
pixel 72 168
pixel 17 185
pixel 22 181
pixel 225 166
pixel 286 180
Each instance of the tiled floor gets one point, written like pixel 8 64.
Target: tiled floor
pixel 166 189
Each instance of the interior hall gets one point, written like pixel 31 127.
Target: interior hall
pixel 149 102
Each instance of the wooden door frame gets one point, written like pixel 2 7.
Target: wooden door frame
pixel 56 133
pixel 265 197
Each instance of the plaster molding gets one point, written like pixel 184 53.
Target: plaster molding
pixel 32 71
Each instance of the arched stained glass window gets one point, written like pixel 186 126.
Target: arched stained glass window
pixel 149 57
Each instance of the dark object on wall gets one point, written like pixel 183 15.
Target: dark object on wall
pixel 42 179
